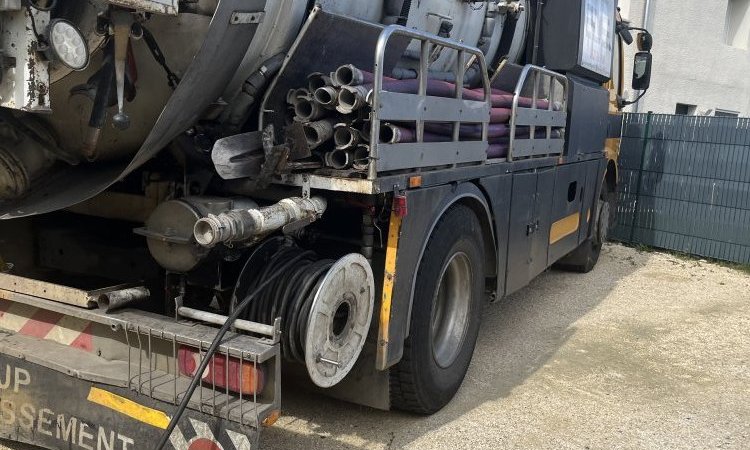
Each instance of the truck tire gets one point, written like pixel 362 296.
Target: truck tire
pixel 445 318
pixel 584 258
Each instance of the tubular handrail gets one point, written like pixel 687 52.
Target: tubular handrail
pixel 537 73
pixel 427 40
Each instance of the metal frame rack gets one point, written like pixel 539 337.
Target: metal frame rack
pixel 437 162
pixel 420 107
pixel 536 117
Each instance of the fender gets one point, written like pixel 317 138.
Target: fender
pixel 425 208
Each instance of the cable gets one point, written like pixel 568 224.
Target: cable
pixel 289 296
pixel 623 103
pixel 153 46
pixel 215 345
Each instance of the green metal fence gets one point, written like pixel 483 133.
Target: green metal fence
pixel 685 185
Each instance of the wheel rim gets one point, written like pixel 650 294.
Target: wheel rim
pixel 450 314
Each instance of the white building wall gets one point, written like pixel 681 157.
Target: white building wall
pixel 693 64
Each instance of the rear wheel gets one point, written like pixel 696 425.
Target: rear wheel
pixel 584 258
pixel 445 315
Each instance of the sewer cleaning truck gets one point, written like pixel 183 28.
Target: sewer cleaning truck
pixel 200 194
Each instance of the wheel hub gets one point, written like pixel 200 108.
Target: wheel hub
pixel 450 315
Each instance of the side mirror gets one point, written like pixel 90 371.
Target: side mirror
pixel 645 42
pixel 622 29
pixel 642 71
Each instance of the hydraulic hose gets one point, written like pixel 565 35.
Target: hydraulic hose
pixel 289 296
pixel 234 315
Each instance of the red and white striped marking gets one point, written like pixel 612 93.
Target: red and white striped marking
pixel 47 325
pixel 204 438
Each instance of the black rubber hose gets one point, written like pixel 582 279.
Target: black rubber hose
pixel 281 270
pixel 289 297
pixel 104 81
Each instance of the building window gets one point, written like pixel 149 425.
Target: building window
pixel 683 109
pixel 737 32
pixel 725 113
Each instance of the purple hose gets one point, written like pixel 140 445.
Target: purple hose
pixel 498 150
pixel 523 133
pixel 468 131
pixel 402 135
pixel 500 115
pixel 438 88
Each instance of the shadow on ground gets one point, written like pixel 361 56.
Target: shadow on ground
pixel 519 335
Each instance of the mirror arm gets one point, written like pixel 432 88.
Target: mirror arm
pixel 621 102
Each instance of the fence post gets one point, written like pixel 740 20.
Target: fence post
pixel 646 136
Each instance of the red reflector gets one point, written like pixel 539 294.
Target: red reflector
pixel 243 377
pixel 400 207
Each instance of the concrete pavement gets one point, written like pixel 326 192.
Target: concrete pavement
pixel 648 351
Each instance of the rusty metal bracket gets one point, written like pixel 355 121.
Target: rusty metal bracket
pixel 297 141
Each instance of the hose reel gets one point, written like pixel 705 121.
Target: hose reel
pixel 325 306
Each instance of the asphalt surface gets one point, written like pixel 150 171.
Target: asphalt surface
pixel 647 351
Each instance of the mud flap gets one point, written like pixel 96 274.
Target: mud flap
pixel 43 407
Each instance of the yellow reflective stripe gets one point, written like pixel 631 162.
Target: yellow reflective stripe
pixel 129 408
pixel 564 227
pixel 394 230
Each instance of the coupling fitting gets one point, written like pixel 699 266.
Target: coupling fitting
pixel 241 225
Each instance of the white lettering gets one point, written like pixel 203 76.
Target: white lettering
pixel 66 430
pixel 23 378
pixel 82 433
pixel 125 441
pixel 42 420
pixel 102 441
pixel 27 412
pixel 70 430
pixel 8 412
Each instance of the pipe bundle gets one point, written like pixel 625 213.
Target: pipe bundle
pixel 331 109
pixel 334 111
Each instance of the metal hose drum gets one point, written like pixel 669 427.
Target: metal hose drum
pixel 325 306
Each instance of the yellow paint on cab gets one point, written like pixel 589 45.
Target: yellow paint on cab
pixel 564 227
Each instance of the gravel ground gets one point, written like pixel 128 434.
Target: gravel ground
pixel 647 351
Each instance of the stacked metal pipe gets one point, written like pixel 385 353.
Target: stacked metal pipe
pixel 331 109
pixel 334 112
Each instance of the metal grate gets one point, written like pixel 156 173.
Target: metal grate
pixel 685 185
pixel 153 370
